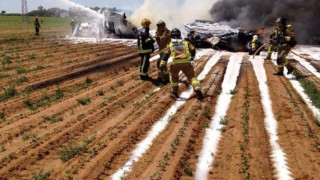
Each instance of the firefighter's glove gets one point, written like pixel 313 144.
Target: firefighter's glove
pixel 163 65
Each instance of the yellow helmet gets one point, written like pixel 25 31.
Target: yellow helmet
pixel 145 22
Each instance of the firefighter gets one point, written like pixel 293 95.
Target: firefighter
pixel 254 44
pixel 163 38
pixel 36 26
pixel 73 25
pixel 283 39
pixel 182 53
pixel 145 46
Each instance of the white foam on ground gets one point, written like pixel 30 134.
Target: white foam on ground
pixel 213 133
pixel 297 86
pixel 277 155
pixel 159 126
pixel 312 51
pixel 307 65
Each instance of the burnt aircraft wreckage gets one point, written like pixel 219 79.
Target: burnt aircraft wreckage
pixel 112 24
pixel 207 34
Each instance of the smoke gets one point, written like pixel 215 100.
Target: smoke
pixel 303 15
pixel 174 12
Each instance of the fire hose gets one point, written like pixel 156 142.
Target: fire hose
pixel 265 44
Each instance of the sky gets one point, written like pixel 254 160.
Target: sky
pixel 14 6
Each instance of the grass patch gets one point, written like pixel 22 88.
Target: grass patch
pixel 207 113
pixel 22 79
pixel 67 153
pixel 52 119
pixel 27 136
pixel 120 83
pixel 8 93
pixel 100 92
pixel 58 94
pixel 2 148
pixel 41 175
pixel 89 80
pixel 32 56
pixel 311 90
pixel 6 60
pixel 233 92
pixel 223 121
pixel 22 70
pixel 3 76
pixel 188 170
pixel 84 101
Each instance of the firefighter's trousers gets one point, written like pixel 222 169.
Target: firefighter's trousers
pixel 282 60
pixel 271 48
pixel 188 70
pixel 144 64
pixel 163 75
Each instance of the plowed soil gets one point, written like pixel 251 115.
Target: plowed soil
pixel 80 110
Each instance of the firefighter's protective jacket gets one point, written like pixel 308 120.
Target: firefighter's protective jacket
pixel 284 38
pixel 182 51
pixel 163 39
pixel 145 41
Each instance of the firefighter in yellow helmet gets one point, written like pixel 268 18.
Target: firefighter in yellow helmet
pixel 283 39
pixel 163 38
pixel 145 46
pixel 182 53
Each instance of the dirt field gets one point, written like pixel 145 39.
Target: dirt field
pixel 79 111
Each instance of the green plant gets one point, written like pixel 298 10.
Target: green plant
pixel 6 60
pixel 100 92
pixel 311 90
pixel 207 113
pixel 223 121
pixel 2 148
pixel 27 136
pixel 187 170
pixel 89 80
pixel 58 94
pixel 22 80
pixel 28 103
pixel 41 175
pixel 32 56
pixel 67 153
pixel 21 70
pixel 52 119
pixel 9 92
pixel 84 101
pixel 233 92
pixel 120 83
pixel 121 104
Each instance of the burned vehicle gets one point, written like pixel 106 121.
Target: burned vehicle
pixel 206 34
pixel 110 24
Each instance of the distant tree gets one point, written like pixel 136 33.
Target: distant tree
pixel 95 8
pixel 3 12
pixel 40 8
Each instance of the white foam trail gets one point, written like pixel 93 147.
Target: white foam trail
pixel 297 86
pixel 213 133
pixel 159 126
pixel 307 65
pixel 277 155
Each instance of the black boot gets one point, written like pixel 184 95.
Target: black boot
pixel 278 73
pixel 290 70
pixel 174 95
pixel 199 93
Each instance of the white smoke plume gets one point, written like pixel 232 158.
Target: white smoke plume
pixel 174 12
